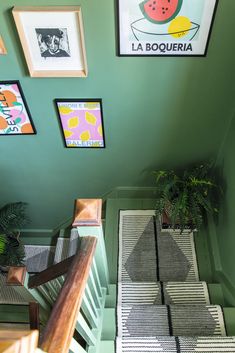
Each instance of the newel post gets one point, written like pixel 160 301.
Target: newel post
pixel 87 220
pixel 18 278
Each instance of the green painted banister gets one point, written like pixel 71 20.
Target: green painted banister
pixel 87 309
pixel 85 331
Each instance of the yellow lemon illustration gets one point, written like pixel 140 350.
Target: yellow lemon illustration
pixel 68 133
pixel 85 135
pixel 100 131
pixel 90 118
pixel 73 122
pixel 65 110
pixel 179 27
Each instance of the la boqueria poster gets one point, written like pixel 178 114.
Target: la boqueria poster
pixel 165 27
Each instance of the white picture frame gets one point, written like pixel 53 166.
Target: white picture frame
pixel 52 38
pixel 3 50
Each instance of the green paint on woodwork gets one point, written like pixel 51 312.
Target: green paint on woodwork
pixel 111 297
pixel 216 294
pixel 225 228
pixel 109 324
pixel 229 317
pixel 203 256
pixel 107 347
pixel 157 112
pixel 14 313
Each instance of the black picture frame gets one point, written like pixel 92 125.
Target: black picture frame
pixel 15 117
pixel 81 122
pixel 149 48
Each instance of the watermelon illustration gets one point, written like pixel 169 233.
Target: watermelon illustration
pixel 160 11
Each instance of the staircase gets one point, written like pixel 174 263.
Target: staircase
pixel 38 258
pixel 162 306
pixel 160 297
pixel 64 301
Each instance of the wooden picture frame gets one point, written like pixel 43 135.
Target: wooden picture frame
pixel 52 39
pixel 81 122
pixel 177 29
pixel 15 117
pixel 3 50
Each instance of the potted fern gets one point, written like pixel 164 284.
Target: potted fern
pixel 184 196
pixel 12 218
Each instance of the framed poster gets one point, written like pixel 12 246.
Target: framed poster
pixel 53 40
pixel 165 27
pixel 81 122
pixel 3 50
pixel 15 118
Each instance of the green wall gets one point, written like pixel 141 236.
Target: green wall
pixel 224 235
pixel 157 111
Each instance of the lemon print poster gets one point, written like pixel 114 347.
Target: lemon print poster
pixel 15 118
pixel 165 27
pixel 81 122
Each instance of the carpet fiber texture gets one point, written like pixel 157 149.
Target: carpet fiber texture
pixel 162 305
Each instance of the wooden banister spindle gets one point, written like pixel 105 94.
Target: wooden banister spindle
pixel 34 320
pixel 60 328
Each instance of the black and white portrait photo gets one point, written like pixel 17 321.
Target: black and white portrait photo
pixel 53 42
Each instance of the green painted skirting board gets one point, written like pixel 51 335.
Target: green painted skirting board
pixel 14 313
pixel 217 269
pixel 130 192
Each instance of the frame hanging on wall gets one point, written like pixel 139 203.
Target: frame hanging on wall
pixel 165 27
pixel 53 40
pixel 81 122
pixel 3 50
pixel 15 118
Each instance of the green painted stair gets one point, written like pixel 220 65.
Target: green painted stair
pixel 205 272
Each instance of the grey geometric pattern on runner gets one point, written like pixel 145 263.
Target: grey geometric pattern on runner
pixel 151 315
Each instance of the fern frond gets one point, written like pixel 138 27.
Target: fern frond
pixel 189 192
pixel 13 216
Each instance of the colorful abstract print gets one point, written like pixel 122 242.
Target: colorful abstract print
pixel 82 124
pixel 14 118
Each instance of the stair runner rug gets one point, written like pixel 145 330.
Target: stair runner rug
pixel 148 255
pixel 8 295
pixel 159 294
pixel 39 257
pixel 176 345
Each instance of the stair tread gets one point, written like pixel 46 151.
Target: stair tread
pixel 39 257
pixel 62 248
pixel 163 293
pixel 178 305
pixel 146 253
pixel 8 295
pixel 172 320
pixel 66 247
pixel 205 344
pixel 107 346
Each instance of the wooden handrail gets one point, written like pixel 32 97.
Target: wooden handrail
pixel 61 325
pixel 50 273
